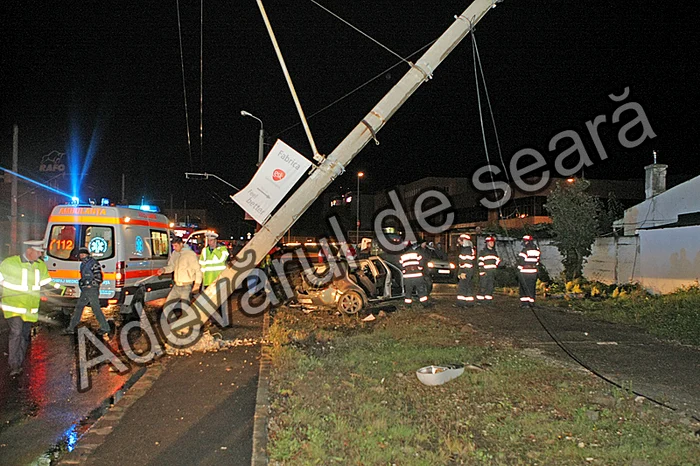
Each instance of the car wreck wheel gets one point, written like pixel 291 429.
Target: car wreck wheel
pixel 350 302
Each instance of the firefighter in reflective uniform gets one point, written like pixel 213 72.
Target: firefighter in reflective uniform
pixel 467 256
pixel 488 263
pixel 528 260
pixel 22 278
pixel 213 259
pixel 413 279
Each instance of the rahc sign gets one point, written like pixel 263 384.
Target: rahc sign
pixel 53 162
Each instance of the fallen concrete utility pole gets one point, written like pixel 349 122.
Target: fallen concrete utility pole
pixel 334 165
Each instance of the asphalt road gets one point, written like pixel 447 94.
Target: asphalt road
pixel 43 408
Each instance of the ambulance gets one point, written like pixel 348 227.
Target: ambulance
pixel 130 242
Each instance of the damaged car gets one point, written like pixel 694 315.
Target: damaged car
pixel 349 287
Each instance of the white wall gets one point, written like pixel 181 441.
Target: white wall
pixel 670 258
pixel 509 248
pixel 661 260
pixel 613 260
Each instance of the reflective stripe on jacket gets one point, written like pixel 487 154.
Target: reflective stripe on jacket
pixel 529 259
pixel 488 259
pixel 213 262
pixel 466 257
pixel 22 281
pixel 411 264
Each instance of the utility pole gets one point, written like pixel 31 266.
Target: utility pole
pixel 13 195
pixel 123 199
pixel 342 155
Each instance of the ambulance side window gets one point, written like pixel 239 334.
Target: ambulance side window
pixel 160 244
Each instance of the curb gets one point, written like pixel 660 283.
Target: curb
pixel 109 413
pixel 262 408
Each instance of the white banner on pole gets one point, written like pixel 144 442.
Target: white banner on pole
pixel 278 173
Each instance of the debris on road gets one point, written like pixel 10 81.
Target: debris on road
pixel 212 343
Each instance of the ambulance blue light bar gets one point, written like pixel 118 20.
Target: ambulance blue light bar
pixel 145 207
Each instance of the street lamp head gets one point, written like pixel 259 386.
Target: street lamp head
pixel 360 174
pixel 196 176
pixel 248 114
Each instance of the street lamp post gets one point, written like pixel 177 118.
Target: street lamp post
pixel 357 230
pixel 261 140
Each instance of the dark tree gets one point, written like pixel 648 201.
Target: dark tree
pixel 574 223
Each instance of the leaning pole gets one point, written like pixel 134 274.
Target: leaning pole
pixel 334 165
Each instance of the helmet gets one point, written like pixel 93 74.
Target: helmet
pixel 464 236
pixel 527 238
pixel 490 238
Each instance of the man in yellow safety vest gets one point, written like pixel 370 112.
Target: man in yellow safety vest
pixel 22 278
pixel 212 259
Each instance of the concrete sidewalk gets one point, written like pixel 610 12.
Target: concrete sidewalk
pixel 196 409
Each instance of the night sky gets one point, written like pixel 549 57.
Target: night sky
pixel 110 72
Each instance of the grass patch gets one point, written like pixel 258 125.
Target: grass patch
pixel 674 316
pixel 345 392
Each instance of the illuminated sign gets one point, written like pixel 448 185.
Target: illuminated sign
pixel 138 246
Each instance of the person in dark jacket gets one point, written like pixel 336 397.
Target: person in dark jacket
pixel 488 263
pixel 467 259
pixel 90 280
pixel 413 279
pixel 528 262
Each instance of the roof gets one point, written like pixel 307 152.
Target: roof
pixel 684 220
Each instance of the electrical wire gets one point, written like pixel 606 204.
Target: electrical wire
pixel 488 101
pixel 481 115
pixel 493 123
pixel 355 90
pixel 652 203
pixel 586 366
pixel 184 86
pixel 201 81
pixel 360 31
